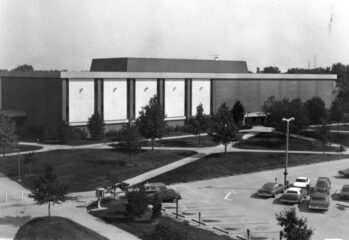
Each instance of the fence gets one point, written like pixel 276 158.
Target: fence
pixel 13 196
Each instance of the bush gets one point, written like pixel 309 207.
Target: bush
pixel 65 132
pixel 137 203
pixel 81 132
pixel 95 126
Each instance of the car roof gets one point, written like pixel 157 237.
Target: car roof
pixel 293 189
pixel 305 178
pixel 323 179
pixel 269 184
pixel 154 184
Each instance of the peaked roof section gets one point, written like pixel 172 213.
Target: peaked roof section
pixel 167 65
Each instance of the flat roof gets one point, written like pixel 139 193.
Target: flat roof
pixel 166 75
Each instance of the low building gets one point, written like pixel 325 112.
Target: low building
pixel 118 88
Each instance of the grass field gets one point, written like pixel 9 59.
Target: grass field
pixel 58 229
pixel 340 138
pixel 277 141
pixel 218 165
pixel 84 170
pixel 205 141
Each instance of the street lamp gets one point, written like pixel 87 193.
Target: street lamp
pixel 288 120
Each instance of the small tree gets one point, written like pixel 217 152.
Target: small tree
pixel 65 132
pixel 49 190
pixel 238 112
pixel 223 128
pixel 294 228
pixel 137 203
pixel 130 141
pixel 113 179
pixel 151 121
pixel 8 135
pixel 30 159
pixel 95 126
pixel 199 123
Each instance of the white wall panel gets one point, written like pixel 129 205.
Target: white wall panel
pixel 174 97
pixel 115 100
pixel 201 93
pixel 145 89
pixel 81 100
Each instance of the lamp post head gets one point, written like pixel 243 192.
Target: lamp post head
pixel 288 119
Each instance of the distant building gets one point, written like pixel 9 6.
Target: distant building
pixel 119 87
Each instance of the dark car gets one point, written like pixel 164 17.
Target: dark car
pixel 319 201
pixel 345 192
pixel 344 172
pixel 166 195
pixel 323 184
pixel 270 189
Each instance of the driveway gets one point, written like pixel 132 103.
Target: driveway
pixel 230 203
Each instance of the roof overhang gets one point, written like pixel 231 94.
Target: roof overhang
pixel 12 113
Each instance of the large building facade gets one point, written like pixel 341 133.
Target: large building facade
pixel 119 88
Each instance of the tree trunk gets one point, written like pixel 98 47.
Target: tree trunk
pixel 129 158
pixel 152 144
pixel 225 149
pixel 30 168
pixel 49 212
pixel 3 151
pixel 199 138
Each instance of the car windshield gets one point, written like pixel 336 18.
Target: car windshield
pixel 321 184
pixel 292 192
pixel 301 180
pixel 317 198
pixel 268 185
pixel 345 189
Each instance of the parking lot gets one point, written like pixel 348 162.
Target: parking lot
pixel 231 204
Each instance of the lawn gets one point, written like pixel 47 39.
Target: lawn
pixel 340 138
pixel 20 148
pixel 84 170
pixel 205 141
pixel 277 141
pixel 218 165
pixel 59 229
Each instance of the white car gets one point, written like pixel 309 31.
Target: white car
pixel 302 182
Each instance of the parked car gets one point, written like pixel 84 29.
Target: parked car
pixel 302 182
pixel 323 184
pixel 166 195
pixel 153 187
pixel 344 194
pixel 319 201
pixel 294 195
pixel 270 189
pixel 344 172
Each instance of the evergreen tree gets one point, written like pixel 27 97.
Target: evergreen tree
pixel 95 126
pixel 199 123
pixel 316 110
pixel 238 113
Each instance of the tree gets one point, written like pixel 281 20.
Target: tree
pixel 278 109
pixel 238 113
pixel 137 203
pixel 294 228
pixel 199 123
pixel 223 128
pixel 23 68
pixel 65 132
pixel 49 190
pixel 8 135
pixel 316 110
pixel 319 70
pixel 130 141
pixel 151 121
pixel 271 69
pixel 30 159
pixel 336 112
pixel 95 126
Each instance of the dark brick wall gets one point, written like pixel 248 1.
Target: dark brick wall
pixel 40 98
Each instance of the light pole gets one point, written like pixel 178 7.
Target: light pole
pixel 288 120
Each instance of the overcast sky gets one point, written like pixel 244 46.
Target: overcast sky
pixel 67 34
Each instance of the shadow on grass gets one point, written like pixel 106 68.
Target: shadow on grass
pixel 14 221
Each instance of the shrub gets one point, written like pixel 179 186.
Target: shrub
pixel 81 132
pixel 95 126
pixel 137 203
pixel 64 132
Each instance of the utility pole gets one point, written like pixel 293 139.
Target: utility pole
pixel 288 120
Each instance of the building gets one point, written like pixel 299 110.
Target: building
pixel 119 87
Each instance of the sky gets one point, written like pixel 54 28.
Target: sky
pixel 67 34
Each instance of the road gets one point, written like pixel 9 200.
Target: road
pixel 231 204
